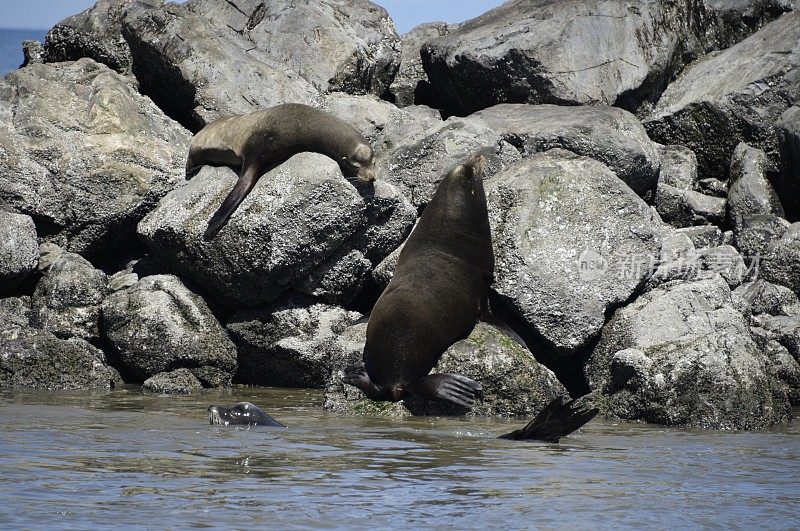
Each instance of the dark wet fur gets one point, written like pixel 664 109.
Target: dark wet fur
pixel 558 419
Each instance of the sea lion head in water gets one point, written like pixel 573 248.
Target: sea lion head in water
pixel 242 414
pixel 435 297
pixel 258 142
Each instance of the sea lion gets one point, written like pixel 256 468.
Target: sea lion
pixel 258 142
pixel 557 419
pixel 438 291
pixel 242 414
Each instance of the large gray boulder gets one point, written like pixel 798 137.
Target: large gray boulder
pixel 681 355
pixel 95 33
pixel 750 192
pixel 177 382
pixel 348 46
pixel 514 383
pixel 781 263
pixel 678 167
pixel 198 71
pixel 68 297
pixel 410 85
pixel 732 96
pixel 84 154
pixel 684 208
pixel 37 359
pixel 575 53
pixel 787 181
pixel 302 218
pixel 753 235
pixel 19 249
pixel 613 136
pixel 419 157
pixel 571 241
pixel 159 325
pixel 286 345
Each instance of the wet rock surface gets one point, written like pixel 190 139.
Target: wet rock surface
pixel 159 326
pixel 177 382
pixel 682 355
pixel 37 359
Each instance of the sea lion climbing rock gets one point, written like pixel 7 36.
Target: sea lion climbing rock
pixel 434 299
pixel 258 142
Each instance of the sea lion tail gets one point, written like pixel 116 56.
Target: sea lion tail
pixel 247 180
pixel 556 420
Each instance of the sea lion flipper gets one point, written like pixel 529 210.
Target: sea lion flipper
pixel 452 387
pixel 357 376
pixel 556 420
pixel 247 180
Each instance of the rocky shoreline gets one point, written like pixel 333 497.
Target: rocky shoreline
pixel 643 183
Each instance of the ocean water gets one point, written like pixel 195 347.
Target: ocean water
pixel 122 458
pixel 11 46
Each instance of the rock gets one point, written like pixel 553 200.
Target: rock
pixel 419 159
pixel 732 96
pixel 411 84
pixel 750 193
pixel 571 241
pixel 681 355
pixel 677 260
pixel 38 359
pixel 703 235
pixel 726 261
pixel 300 216
pixel 15 312
pixel 684 208
pixel 90 199
pixel 68 297
pixel 787 369
pixel 514 383
pixel 785 329
pixel 371 115
pixel 159 326
pixel 787 180
pixel 19 249
pixel 576 53
pixel 177 382
pixel 713 186
pixel 678 167
pixel 348 46
pixel 32 52
pixel 94 33
pixel 781 263
pixel 762 297
pixel 612 136
pixel 122 280
pixel 384 272
pixel 286 345
pixel 197 71
pixel 339 279
pixel 48 254
pixel 754 234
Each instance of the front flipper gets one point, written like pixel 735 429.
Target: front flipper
pixel 247 180
pixel 356 375
pixel 452 387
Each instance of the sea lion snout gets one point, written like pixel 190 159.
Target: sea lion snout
pixel 478 164
pixel 366 174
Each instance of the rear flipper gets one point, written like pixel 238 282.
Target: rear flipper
pixel 453 387
pixel 556 420
pixel 247 180
pixel 356 375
